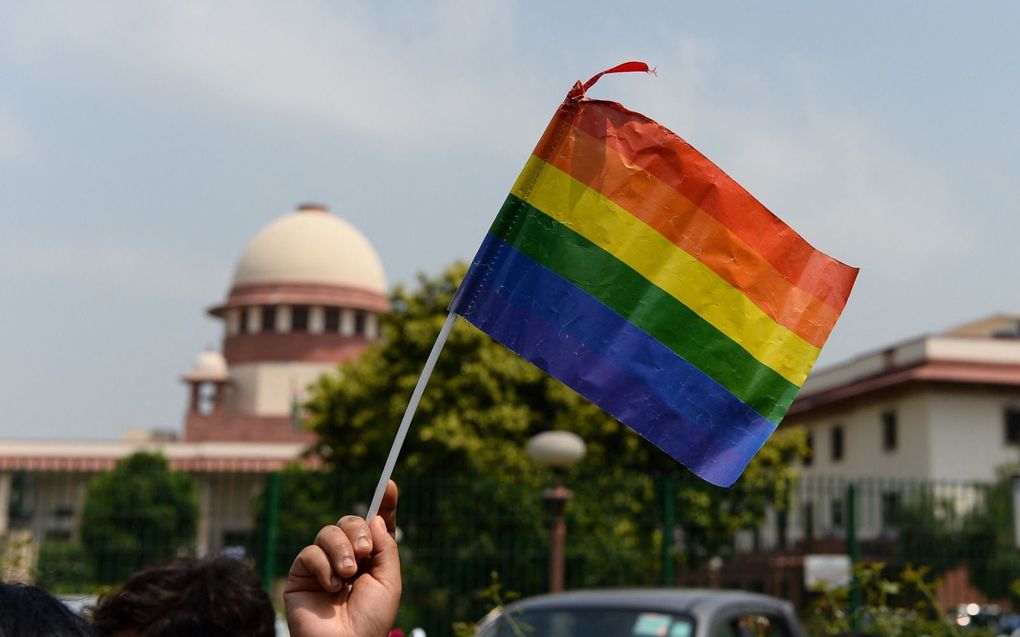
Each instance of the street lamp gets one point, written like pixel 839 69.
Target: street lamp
pixel 556 450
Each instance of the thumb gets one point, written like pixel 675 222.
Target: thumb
pixel 386 557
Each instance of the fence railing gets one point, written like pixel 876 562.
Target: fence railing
pixel 457 535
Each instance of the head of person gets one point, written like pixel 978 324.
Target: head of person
pixel 26 611
pixel 206 597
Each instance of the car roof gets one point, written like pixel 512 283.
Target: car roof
pixel 692 601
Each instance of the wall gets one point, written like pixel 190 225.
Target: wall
pixel 267 389
pixel 967 432
pixel 863 454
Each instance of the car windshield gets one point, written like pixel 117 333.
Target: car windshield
pixel 589 622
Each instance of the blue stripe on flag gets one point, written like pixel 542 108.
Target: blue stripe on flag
pixel 561 329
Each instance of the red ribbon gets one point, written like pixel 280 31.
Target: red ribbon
pixel 578 90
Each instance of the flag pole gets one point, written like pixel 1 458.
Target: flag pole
pixel 405 423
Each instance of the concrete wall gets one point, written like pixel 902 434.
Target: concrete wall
pixel 966 429
pixel 863 454
pixel 266 389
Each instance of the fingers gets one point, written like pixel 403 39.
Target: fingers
pixel 388 508
pixel 335 554
pixel 386 558
pixel 358 535
pixel 345 542
pixel 312 565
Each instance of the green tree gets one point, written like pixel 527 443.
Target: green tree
pixel 986 540
pixel 464 457
pixel 140 513
pixel 895 603
pixel 307 501
pixel 944 526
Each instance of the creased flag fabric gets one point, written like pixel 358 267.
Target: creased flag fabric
pixel 634 270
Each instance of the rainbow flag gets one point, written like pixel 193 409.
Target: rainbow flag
pixel 635 271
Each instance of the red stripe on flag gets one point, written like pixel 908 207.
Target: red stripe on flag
pixel 657 150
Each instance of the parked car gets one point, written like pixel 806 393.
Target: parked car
pixel 645 613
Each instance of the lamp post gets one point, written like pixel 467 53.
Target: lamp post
pixel 556 450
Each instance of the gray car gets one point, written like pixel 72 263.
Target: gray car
pixel 645 613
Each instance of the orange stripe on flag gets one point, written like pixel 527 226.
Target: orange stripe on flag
pixel 647 145
pixel 698 233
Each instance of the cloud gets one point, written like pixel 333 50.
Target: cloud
pixel 835 175
pixel 393 80
pixel 440 78
pixel 866 199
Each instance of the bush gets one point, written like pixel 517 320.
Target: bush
pixel 63 568
pixel 903 606
pixel 137 515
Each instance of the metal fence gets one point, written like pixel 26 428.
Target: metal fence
pixel 468 544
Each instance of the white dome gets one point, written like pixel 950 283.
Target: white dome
pixel 210 365
pixel 311 246
pixel 557 449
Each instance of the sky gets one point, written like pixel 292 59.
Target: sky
pixel 142 145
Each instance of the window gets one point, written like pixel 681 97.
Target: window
pixel 809 456
pixel 592 622
pixel 1012 420
pixel 890 509
pixel 808 513
pixel 299 318
pixel 836 513
pixel 332 319
pixel 890 438
pixel 753 625
pixel 242 323
pixel 360 319
pixel 63 511
pixel 836 440
pixel 269 319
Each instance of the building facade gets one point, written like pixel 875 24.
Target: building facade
pixel 306 295
pixel 936 417
pixel 939 407
pixel 920 427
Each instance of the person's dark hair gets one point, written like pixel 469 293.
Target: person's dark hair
pixel 206 597
pixel 26 611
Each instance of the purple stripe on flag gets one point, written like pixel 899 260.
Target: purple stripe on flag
pixel 640 382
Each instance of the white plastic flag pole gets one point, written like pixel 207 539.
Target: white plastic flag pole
pixel 405 423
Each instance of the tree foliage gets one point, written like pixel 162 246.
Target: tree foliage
pixel 986 544
pixel 140 513
pixel 967 524
pixel 894 604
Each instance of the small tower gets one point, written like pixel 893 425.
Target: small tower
pixel 306 296
pixel 208 380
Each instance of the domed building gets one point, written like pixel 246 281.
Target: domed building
pixel 306 295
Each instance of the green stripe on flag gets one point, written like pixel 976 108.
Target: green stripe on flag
pixel 643 304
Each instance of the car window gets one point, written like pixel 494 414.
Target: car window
pixel 590 622
pixel 752 625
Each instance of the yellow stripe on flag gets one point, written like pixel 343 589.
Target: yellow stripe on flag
pixel 642 248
